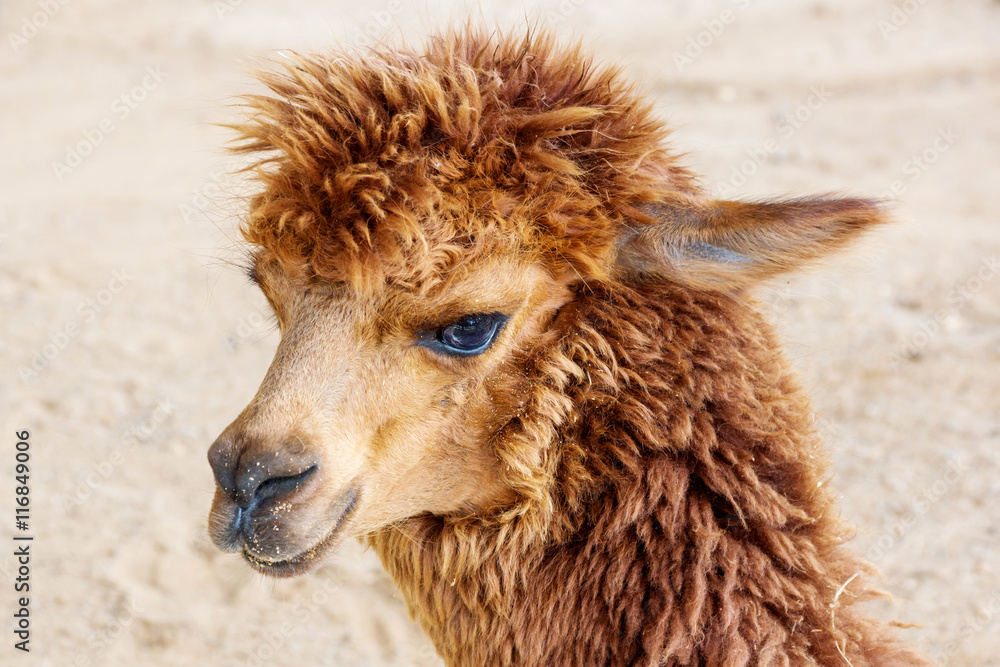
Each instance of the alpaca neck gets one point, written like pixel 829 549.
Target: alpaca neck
pixel 685 520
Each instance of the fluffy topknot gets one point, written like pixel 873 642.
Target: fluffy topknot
pixel 397 166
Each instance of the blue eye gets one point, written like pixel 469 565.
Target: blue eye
pixel 467 337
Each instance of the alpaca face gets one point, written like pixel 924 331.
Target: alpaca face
pixel 420 220
pixel 387 404
pixel 376 408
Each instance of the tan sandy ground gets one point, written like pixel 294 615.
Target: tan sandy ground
pixel 899 342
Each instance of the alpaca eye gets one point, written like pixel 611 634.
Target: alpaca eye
pixel 466 337
pixel 471 333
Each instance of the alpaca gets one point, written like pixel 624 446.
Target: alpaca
pixel 520 358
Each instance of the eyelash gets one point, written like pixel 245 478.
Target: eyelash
pixel 251 273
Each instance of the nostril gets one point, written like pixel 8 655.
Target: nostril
pixel 250 469
pixel 279 486
pixel 222 458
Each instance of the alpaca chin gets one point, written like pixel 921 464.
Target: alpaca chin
pixel 304 560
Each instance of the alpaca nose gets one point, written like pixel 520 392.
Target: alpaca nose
pixel 249 473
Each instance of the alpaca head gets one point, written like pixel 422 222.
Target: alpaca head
pixel 422 219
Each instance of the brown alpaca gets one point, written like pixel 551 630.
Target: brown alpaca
pixel 519 358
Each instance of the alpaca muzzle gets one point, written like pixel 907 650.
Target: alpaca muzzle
pixel 271 505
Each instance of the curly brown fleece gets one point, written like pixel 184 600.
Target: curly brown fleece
pixel 690 525
pixel 668 501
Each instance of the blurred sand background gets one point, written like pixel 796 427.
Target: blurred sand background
pixel 128 343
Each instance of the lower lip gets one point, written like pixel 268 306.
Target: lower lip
pixel 305 560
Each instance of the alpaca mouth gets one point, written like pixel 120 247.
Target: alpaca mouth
pixel 306 560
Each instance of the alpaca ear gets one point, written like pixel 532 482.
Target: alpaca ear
pixel 715 244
